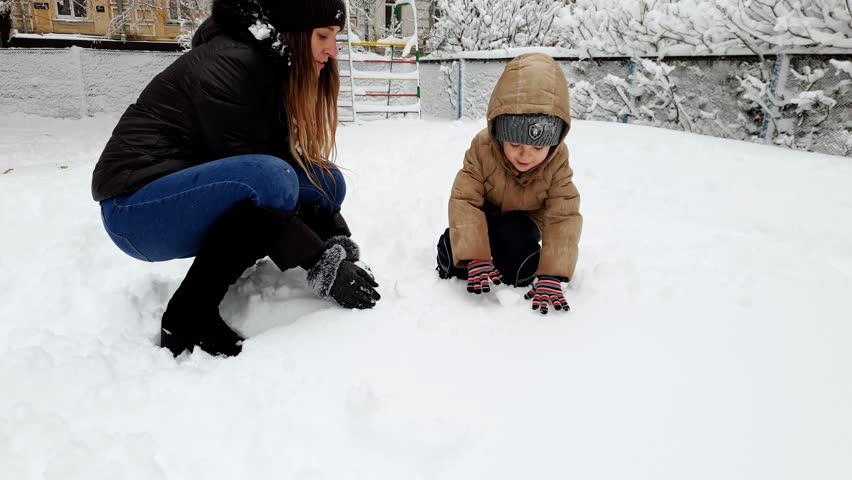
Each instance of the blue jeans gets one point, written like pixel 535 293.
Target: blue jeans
pixel 169 217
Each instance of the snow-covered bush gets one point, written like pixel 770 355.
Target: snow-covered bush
pixel 644 27
pixel 5 22
pixel 687 27
pixel 806 107
pixel 758 106
pixel 694 96
pixel 192 15
pixel 818 107
pixel 464 25
pixel 448 74
pixel 809 108
pixel 845 67
pixel 670 95
pixel 136 16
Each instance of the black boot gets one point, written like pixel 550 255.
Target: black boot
pixel 235 242
pixel 446 268
pixel 192 317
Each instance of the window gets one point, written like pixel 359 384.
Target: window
pixel 71 8
pixel 391 20
pixel 174 10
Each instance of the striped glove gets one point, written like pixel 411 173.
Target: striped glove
pixel 547 289
pixel 479 272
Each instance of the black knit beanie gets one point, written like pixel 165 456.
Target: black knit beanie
pixel 305 15
pixel 536 130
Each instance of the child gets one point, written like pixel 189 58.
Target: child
pixel 516 190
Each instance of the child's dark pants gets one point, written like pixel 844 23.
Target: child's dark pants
pixel 514 240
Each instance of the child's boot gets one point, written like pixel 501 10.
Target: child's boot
pixel 445 267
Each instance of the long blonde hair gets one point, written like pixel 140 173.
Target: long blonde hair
pixel 311 106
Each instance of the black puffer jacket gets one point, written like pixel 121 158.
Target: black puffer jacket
pixel 220 99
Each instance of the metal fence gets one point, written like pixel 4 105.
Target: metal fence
pixel 718 96
pixel 826 129
pixel 705 95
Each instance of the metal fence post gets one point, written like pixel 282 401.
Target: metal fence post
pixel 461 88
pixel 631 68
pixel 76 57
pixel 776 90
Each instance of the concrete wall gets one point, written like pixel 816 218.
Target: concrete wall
pixel 75 82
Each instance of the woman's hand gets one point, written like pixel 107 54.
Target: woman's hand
pixel 354 287
pixel 335 276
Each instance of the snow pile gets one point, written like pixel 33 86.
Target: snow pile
pixel 708 338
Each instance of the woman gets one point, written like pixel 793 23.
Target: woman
pixel 226 156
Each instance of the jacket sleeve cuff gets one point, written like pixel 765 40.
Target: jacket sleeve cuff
pixel 353 252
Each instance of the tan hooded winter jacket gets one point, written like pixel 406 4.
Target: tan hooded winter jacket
pixel 531 84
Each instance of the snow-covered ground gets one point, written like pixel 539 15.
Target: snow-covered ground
pixel 709 336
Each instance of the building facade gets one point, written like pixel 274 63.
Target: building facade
pixel 175 20
pixel 376 19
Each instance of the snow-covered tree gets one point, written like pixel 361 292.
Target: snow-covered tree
pixel 5 21
pixel 755 100
pixel 493 24
pixel 798 114
pixel 644 27
pixel 819 110
pixel 760 108
pixel 136 15
pixel 192 14
pixel 785 23
pixel 651 27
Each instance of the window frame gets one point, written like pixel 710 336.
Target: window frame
pixel 72 16
pixel 178 8
pixel 390 11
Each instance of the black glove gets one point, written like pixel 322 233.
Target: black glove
pixel 348 284
pixel 354 287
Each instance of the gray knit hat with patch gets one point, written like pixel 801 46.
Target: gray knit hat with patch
pixel 536 130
